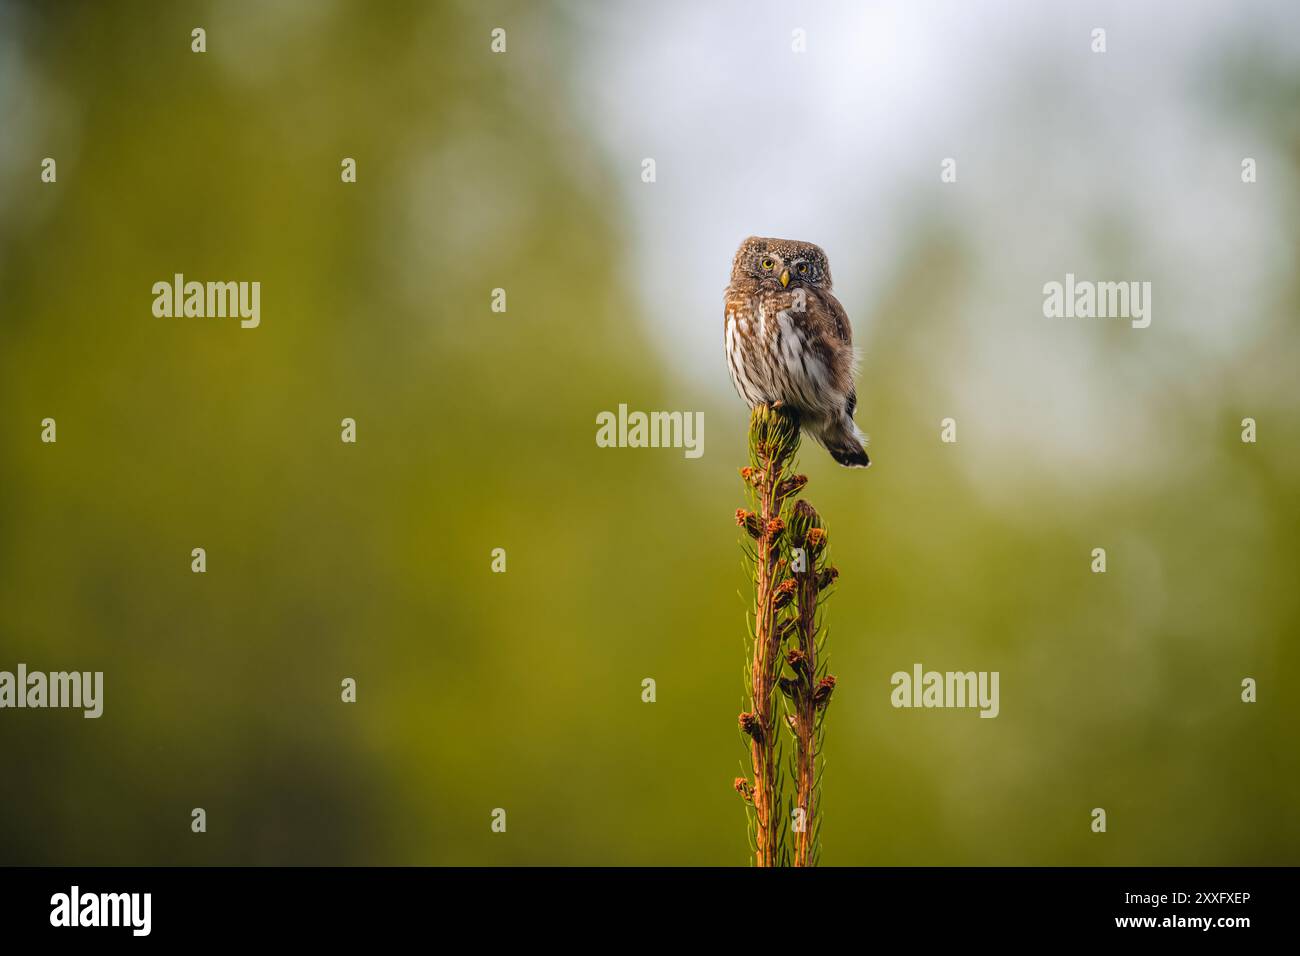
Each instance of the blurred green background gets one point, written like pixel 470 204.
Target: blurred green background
pixel 476 429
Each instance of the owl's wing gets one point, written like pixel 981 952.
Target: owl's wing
pixel 836 334
pixel 834 319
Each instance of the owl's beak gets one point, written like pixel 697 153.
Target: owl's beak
pixel 785 278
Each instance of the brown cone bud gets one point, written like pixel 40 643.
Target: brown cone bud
pixel 784 593
pixel 825 687
pixel 749 521
pixel 826 577
pixel 807 512
pixel 791 486
pixel 803 519
pixel 798 662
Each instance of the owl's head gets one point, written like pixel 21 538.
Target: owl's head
pixel 781 263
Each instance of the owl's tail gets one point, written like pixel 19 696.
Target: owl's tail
pixel 846 444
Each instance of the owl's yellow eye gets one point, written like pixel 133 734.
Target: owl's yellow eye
pixel 767 264
pixel 803 267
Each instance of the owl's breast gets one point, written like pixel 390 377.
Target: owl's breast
pixel 798 365
pixel 773 356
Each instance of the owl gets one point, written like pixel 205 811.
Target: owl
pixel 789 342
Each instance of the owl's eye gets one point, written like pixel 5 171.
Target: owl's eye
pixel 767 264
pixel 803 268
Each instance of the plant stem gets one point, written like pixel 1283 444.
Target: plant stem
pixel 763 671
pixel 788 548
pixel 806 718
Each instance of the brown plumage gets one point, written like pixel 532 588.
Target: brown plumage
pixel 789 341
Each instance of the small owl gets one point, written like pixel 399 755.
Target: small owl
pixel 789 341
